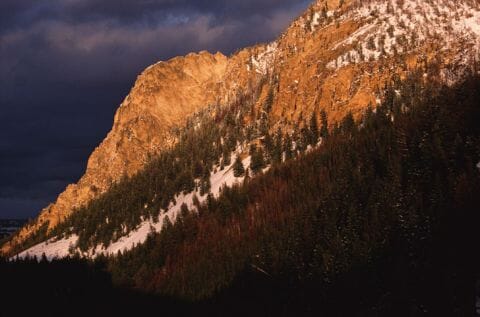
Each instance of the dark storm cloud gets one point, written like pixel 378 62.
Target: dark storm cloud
pixel 24 12
pixel 65 66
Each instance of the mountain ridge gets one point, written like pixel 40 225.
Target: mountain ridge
pixel 335 57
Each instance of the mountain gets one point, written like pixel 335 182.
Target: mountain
pixel 336 58
pixel 334 171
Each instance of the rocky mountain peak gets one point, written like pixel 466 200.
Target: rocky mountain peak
pixel 335 57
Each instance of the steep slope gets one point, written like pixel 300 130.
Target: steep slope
pixel 336 57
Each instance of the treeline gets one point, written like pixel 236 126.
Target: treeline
pixel 381 216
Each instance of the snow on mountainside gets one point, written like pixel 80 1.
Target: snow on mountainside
pixel 51 248
pixel 395 27
pixel 263 62
pixel 54 248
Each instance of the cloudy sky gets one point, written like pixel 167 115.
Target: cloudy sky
pixel 65 66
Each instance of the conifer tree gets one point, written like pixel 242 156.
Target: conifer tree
pixel 277 147
pixel 184 210
pixel 304 138
pixel 324 121
pixel 226 157
pixel 287 147
pixel 313 129
pixel 205 183
pixel 324 12
pixel 348 124
pixel 264 124
pixel 195 201
pixel 238 169
pixel 267 107
pixel 258 161
pixel 269 147
pixel 247 176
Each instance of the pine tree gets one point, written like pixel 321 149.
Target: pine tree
pixel 247 176
pixel 238 169
pixel 324 12
pixel 348 124
pixel 184 210
pixel 277 147
pixel 304 137
pixel 267 107
pixel 287 147
pixel 210 201
pixel 195 201
pixel 187 182
pixel 205 183
pixel 197 169
pixel 258 161
pixel 226 157
pixel 269 147
pixel 313 130
pixel 324 128
pixel 264 124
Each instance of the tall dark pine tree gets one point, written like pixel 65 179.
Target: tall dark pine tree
pixel 267 107
pixel 258 161
pixel 348 124
pixel 238 169
pixel 324 121
pixel 314 134
pixel 277 147
pixel 269 147
pixel 247 176
pixel 287 147
pixel 205 183
pixel 226 157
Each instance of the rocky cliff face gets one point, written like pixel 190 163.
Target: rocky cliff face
pixel 336 57
pixel 161 99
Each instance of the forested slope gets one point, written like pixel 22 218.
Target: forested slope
pixel 393 197
pixel 378 220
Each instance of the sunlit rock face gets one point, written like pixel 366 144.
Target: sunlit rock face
pixel 336 57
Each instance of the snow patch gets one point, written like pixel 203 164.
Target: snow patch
pixel 52 248
pixel 263 62
pixel 315 21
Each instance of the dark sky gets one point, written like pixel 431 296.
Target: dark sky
pixel 66 65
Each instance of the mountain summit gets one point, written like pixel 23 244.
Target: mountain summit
pixel 335 59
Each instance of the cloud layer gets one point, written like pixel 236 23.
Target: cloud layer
pixel 65 66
